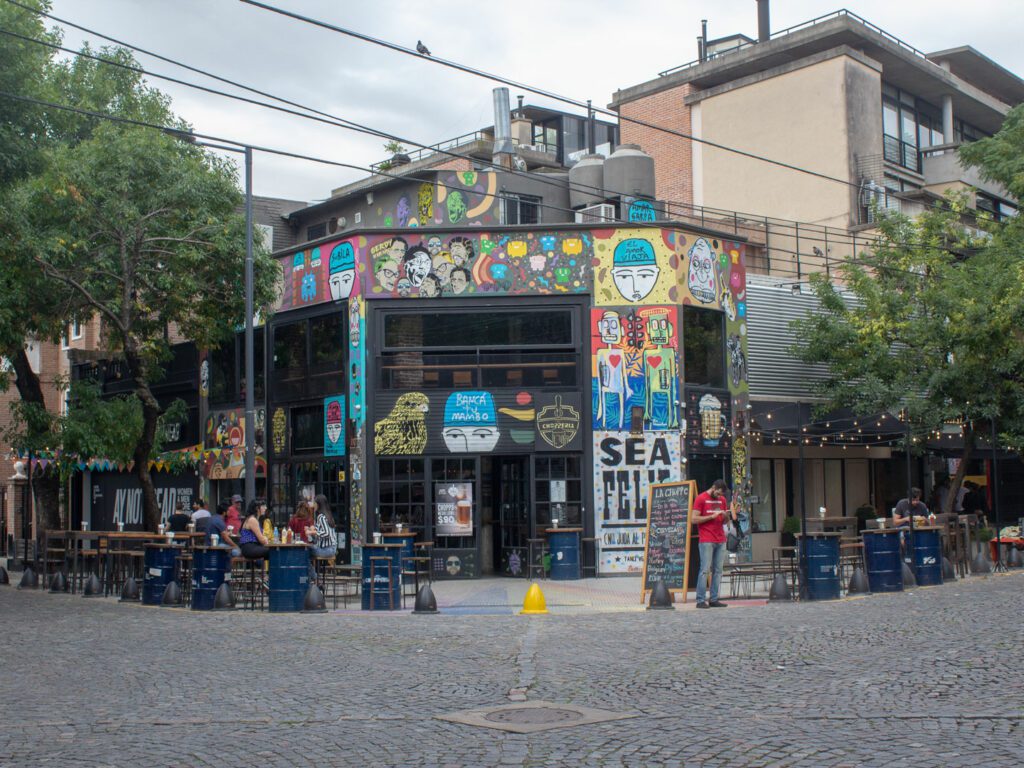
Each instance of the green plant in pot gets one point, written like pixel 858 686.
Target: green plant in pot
pixel 790 527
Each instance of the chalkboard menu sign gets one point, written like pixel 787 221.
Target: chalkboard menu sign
pixel 666 550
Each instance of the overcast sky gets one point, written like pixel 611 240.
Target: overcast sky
pixel 585 49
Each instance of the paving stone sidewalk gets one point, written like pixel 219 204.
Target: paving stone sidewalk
pixel 932 677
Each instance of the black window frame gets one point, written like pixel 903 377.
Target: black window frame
pixel 688 349
pixel 513 207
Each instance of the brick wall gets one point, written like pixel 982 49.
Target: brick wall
pixel 673 155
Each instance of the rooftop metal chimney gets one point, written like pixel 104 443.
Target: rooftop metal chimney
pixel 764 26
pixel 502 152
pixel 703 39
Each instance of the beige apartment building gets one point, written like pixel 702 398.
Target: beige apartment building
pixel 875 120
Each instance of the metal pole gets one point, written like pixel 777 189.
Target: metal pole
pixel 25 502
pixel 995 493
pixel 250 377
pixel 910 501
pixel 803 499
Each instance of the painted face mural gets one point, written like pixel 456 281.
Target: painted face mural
pixel 434 245
pixel 634 269
pixel 461 250
pixel 443 266
pixel 609 328
pixel 334 445
pixel 470 423
pixel 456 206
pixel 701 278
pixel 459 280
pixel 386 272
pixel 417 265
pixel 431 287
pixel 342 271
pixel 397 249
pixel 204 378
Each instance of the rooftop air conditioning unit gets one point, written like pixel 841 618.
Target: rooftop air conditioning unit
pixel 596 214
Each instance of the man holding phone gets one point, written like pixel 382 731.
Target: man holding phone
pixel 710 512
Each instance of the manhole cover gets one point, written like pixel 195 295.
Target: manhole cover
pixel 532 716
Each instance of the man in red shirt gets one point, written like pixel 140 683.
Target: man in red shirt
pixel 710 512
pixel 234 515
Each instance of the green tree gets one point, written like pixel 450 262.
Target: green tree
pixel 143 229
pixel 929 321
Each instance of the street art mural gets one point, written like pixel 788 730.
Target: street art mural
pixel 639 278
pixel 334 426
pixel 223 454
pixel 470 423
pixel 404 430
pixel 625 466
pixel 634 363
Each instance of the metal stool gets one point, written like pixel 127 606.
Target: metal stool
pixel 538 548
pixel 255 583
pixel 376 562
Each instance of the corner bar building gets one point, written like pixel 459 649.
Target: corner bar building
pixel 497 378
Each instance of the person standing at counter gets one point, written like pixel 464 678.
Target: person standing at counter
pixel 217 526
pixel 251 541
pixel 322 536
pixel 710 514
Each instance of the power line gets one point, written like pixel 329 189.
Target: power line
pixel 344 123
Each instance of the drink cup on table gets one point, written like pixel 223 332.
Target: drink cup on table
pixel 215 540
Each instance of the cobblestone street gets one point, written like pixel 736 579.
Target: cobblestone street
pixel 932 677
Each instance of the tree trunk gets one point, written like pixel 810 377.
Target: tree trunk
pixel 46 489
pixel 958 477
pixel 144 448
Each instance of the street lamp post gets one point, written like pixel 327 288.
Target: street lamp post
pixel 802 544
pixel 250 379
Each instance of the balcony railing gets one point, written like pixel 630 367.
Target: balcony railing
pixel 804 25
pixel 415 155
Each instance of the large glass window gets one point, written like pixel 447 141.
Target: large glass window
pixel 290 346
pixel 327 341
pixel 521 209
pixel 703 346
pixel 558 487
pixel 909 124
pixel 469 328
pixel 227 369
pixel 402 493
pixel 762 513
pixel 528 348
pixel 308 429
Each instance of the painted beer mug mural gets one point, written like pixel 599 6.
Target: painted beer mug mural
pixel 712 420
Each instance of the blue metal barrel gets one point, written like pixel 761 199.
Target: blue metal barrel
pixel 927 556
pixel 375 577
pixel 289 577
pixel 209 566
pixel 159 561
pixel 885 566
pixel 564 546
pixel 821 557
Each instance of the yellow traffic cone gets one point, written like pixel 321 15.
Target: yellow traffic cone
pixel 534 603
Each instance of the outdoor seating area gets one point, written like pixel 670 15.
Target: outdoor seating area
pixel 956 544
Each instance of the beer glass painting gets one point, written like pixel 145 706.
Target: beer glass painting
pixel 712 420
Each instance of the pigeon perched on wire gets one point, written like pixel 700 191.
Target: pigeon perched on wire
pixel 421 48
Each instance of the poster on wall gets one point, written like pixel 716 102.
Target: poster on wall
pixel 117 498
pixel 453 509
pixel 334 426
pixel 625 467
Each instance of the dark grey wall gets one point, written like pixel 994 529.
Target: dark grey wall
pixel 272 211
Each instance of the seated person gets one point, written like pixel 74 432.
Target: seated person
pixel 301 520
pixel 178 522
pixel 252 541
pixel 217 526
pixel 906 508
pixel 200 514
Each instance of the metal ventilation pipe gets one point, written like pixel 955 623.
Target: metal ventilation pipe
pixel 502 152
pixel 703 39
pixel 764 26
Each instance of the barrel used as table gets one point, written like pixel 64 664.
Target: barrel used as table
pixel 882 553
pixel 210 566
pixel 159 561
pixel 564 548
pixel 375 577
pixel 820 551
pixel 927 546
pixel 406 539
pixel 288 566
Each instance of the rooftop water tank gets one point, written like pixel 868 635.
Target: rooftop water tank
pixel 586 181
pixel 629 172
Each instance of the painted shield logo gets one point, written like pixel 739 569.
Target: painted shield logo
pixel 558 423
